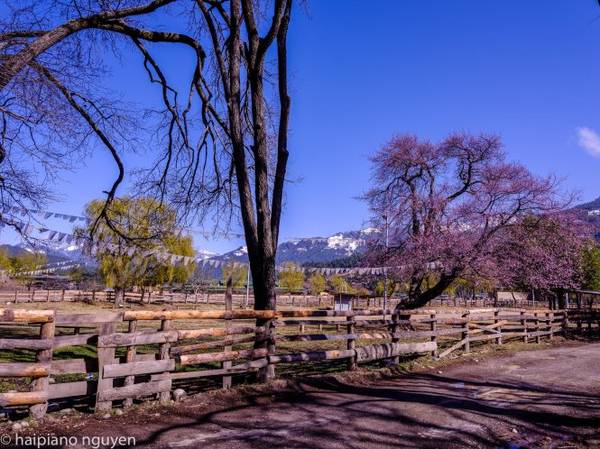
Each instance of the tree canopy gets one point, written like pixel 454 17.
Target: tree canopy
pixel 317 284
pixel 238 274
pixel 291 277
pixel 450 206
pixel 591 267
pixel 145 260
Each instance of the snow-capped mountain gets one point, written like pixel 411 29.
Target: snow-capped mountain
pixel 203 254
pixel 54 252
pixel 590 212
pixel 308 250
pixel 312 249
pixel 591 208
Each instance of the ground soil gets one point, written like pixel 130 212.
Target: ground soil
pixel 547 398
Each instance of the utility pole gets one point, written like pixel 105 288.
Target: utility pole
pixel 385 273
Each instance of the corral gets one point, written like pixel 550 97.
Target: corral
pixel 102 358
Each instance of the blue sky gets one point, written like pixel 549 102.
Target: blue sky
pixel 364 71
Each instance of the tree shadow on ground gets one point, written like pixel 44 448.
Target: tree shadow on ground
pixel 417 411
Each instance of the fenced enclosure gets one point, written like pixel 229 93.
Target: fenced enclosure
pixel 212 296
pixel 113 358
pixel 243 299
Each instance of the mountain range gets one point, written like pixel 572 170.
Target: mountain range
pixel 334 249
pixel 312 249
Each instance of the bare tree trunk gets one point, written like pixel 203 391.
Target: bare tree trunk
pixel 418 298
pixel 119 297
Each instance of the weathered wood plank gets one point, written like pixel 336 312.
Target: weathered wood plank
pixel 106 356
pixel 88 318
pixel 197 314
pixel 72 389
pixel 73 366
pixel 212 344
pixel 75 340
pixel 483 337
pixel 541 333
pixel 388 350
pixel 283 323
pixel 130 357
pixel 452 348
pixel 428 333
pixel 185 334
pixel 135 391
pixel 24 369
pixel 248 367
pixel 23 398
pixel 137 368
pixel 137 338
pixel 193 359
pixel 26 316
pixel 312 356
pixel 23 343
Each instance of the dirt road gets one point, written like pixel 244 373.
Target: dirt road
pixel 536 399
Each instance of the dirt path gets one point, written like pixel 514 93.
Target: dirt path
pixel 536 399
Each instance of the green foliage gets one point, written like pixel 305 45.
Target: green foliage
pixel 77 274
pixel 340 285
pixel 23 263
pixel 362 291
pixel 591 268
pixel 150 226
pixel 317 284
pixel 238 273
pixel 174 273
pixel 291 277
pixel 17 266
pixel 380 288
pixel 4 260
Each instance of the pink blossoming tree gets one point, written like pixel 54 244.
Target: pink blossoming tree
pixel 449 207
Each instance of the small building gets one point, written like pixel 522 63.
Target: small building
pixel 343 302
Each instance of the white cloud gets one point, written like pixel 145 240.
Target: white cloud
pixel 589 140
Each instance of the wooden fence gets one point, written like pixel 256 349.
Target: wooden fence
pixel 115 358
pixel 213 296
pixel 216 297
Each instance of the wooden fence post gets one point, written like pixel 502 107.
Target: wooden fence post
pixel 351 343
pixel 41 384
pixel 433 327
pixel 550 322
pixel 395 329
pixel 498 328
pixel 465 334
pixel 565 322
pixel 129 358
pixel 106 356
pixel 537 328
pixel 165 354
pixel 268 372
pixel 228 306
pixel 524 324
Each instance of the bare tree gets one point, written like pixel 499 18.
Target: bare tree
pixel 224 148
pixel 51 99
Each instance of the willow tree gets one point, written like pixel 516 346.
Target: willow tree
pixel 291 277
pixel 221 153
pixel 148 262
